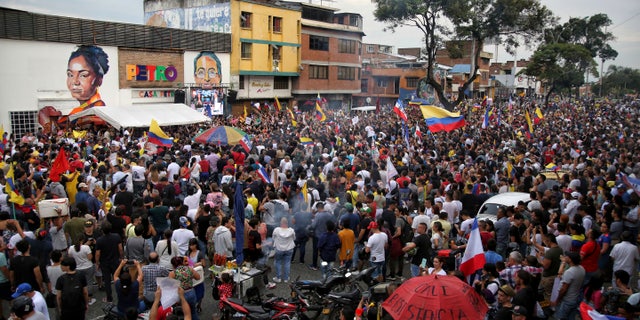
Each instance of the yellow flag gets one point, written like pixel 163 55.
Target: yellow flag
pixel 293 121
pixel 11 190
pixel 79 134
pixel 278 104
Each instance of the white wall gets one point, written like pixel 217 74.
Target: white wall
pixel 33 74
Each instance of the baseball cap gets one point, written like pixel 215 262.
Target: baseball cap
pixel 184 222
pixel 519 311
pixel 372 225
pixel 575 194
pixel 21 306
pixel 22 289
pixel 567 190
pixel 83 185
pixel 88 223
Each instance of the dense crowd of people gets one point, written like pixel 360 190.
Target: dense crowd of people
pixel 136 216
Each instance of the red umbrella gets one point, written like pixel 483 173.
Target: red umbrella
pixel 435 297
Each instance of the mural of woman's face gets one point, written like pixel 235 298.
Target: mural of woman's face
pixel 207 71
pixel 82 81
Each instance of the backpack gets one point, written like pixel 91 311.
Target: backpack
pixel 406 234
pixel 72 289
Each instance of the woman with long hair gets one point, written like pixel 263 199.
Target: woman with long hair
pixel 81 252
pixel 167 250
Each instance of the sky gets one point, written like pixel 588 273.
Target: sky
pixel 625 15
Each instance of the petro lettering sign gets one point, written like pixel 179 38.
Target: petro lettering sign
pixel 138 72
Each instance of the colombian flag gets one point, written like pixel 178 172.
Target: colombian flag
pixel 294 123
pixel 527 117
pixel 319 113
pixel 157 136
pixel 537 116
pixel 439 119
pixel 306 141
pixel 10 189
pixel 3 142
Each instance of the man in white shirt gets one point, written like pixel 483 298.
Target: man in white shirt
pixel 138 171
pixel 183 235
pixel 39 304
pixel 625 257
pixel 192 200
pixel 173 169
pixel 376 245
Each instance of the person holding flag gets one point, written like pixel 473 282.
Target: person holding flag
pixel 319 112
pixel 473 258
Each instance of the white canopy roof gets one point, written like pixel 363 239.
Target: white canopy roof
pixel 139 116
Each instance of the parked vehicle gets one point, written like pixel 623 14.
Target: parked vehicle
pixel 489 208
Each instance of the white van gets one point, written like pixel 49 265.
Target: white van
pixel 489 208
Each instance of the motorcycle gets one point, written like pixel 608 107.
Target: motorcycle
pixel 274 308
pixel 315 290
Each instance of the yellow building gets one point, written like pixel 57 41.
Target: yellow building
pixel 265 51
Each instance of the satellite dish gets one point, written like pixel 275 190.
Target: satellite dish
pixel 368 100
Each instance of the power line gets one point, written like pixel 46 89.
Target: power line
pixel 623 22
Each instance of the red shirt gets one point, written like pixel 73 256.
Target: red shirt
pixel 204 165
pixel 590 253
pixel 238 157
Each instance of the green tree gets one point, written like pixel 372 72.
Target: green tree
pixel 502 21
pixel 618 81
pixel 559 65
pixel 560 46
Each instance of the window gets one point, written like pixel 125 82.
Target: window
pixel 275 52
pixel 318 72
pixel 347 46
pixel 276 24
pixel 318 43
pixel 280 83
pixel 354 20
pixel 364 85
pixel 370 49
pixel 382 83
pixel 241 82
pixel 23 122
pixel 245 20
pixel 346 73
pixel 245 50
pixel 412 82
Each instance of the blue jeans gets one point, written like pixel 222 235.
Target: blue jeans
pixel 566 310
pixel 190 297
pixel 356 249
pixel 314 260
pixel 415 270
pixel 379 270
pixel 301 245
pixel 326 269
pixel 283 261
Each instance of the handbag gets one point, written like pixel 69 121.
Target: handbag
pixel 51 300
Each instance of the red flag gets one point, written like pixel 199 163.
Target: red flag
pixel 59 166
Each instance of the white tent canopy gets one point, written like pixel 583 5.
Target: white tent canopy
pixel 139 116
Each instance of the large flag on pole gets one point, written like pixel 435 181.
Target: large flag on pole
pixel 11 190
pixel 157 136
pixel 319 112
pixel 278 104
pixel 439 119
pixel 391 170
pixel 398 109
pixel 59 166
pixel 473 258
pixel 294 123
pixel 238 212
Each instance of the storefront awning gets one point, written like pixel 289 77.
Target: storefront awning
pixel 139 116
